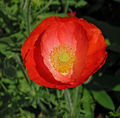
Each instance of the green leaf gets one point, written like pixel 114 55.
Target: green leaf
pixel 116 88
pixel 103 99
pixel 88 104
pixel 81 3
pixel 10 71
pixel 24 87
pixel 46 15
pixel 108 41
pixel 115 114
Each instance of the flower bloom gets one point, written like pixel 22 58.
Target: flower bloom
pixel 71 13
pixel 63 52
pixel 99 117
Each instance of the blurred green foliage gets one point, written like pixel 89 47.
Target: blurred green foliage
pixel 21 98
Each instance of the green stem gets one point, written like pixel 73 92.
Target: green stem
pixel 69 101
pixel 76 97
pixel 28 16
pixel 22 69
pixel 3 86
pixel 66 6
pixel 23 4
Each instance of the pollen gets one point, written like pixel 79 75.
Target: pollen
pixel 62 59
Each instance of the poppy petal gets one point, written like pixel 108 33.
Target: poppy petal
pixel 29 43
pixel 96 54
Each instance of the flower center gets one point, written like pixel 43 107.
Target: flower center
pixel 62 59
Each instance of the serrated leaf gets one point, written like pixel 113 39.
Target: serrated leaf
pixel 24 87
pixel 46 15
pixel 103 99
pixel 88 104
pixel 81 3
pixel 10 71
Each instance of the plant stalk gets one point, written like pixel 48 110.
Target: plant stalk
pixel 69 101
pixel 66 6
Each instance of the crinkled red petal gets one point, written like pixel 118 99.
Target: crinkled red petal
pixel 70 34
pixel 96 54
pixel 38 72
pixel 29 43
pixel 82 36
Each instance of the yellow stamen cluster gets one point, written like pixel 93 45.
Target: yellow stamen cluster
pixel 63 58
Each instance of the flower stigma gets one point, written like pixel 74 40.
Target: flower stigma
pixel 63 59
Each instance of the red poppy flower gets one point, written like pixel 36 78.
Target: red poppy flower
pixel 71 13
pixel 99 117
pixel 63 52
